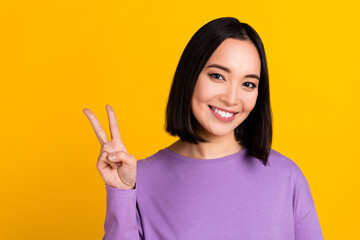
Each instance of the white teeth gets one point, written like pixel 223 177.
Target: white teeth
pixel 222 113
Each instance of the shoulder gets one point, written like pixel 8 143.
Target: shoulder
pixel 302 200
pixel 284 164
pixel 151 160
pixel 153 166
pixel 278 160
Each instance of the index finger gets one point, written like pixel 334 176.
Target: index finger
pixel 114 128
pixel 99 131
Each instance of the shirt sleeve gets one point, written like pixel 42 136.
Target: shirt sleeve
pixel 122 221
pixel 306 222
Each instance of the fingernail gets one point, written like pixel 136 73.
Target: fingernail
pixel 112 156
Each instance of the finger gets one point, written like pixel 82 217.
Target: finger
pixel 107 147
pixel 122 157
pixel 114 165
pixel 114 128
pixel 99 131
pixel 103 161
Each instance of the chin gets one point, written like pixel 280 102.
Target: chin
pixel 221 132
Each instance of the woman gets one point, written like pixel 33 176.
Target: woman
pixel 221 179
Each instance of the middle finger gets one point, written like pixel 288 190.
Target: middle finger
pixel 99 131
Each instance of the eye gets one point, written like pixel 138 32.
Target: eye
pixel 216 75
pixel 252 84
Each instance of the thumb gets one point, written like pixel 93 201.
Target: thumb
pixel 121 156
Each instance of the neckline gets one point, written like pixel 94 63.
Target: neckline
pixel 210 160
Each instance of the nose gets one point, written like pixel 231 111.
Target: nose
pixel 230 97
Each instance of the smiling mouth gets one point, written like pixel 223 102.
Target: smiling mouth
pixel 222 113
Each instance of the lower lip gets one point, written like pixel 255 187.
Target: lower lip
pixel 222 118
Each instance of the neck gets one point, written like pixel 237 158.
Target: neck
pixel 216 147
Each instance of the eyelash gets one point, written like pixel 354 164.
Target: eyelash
pixel 212 75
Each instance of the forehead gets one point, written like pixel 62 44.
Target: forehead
pixel 237 55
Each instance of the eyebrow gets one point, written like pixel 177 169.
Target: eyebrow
pixel 228 70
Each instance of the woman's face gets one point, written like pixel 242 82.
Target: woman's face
pixel 227 87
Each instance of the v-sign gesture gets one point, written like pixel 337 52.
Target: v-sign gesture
pixel 116 166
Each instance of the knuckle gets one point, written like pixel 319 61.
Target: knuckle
pixel 102 154
pixel 104 148
pixel 122 155
pixel 107 147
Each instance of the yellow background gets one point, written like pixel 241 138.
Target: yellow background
pixel 58 57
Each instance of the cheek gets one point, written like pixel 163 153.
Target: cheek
pixel 204 90
pixel 198 93
pixel 249 102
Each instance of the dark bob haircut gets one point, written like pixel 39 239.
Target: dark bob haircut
pixel 255 132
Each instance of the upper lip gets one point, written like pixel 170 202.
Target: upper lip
pixel 223 109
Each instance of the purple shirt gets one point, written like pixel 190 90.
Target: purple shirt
pixel 233 197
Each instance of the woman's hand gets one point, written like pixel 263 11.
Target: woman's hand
pixel 118 172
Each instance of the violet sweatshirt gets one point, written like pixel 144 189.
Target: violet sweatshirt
pixel 233 197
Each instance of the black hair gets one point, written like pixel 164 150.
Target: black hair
pixel 255 132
